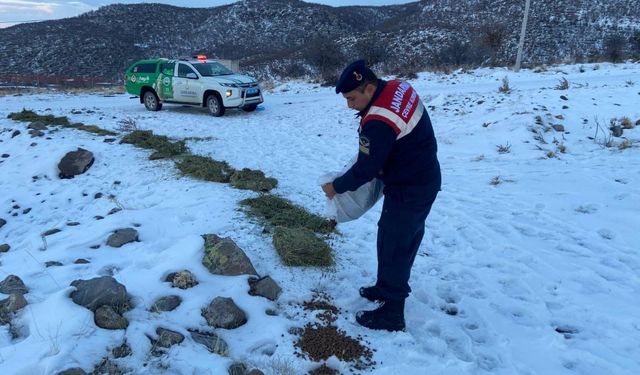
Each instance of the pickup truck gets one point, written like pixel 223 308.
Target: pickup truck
pixel 194 81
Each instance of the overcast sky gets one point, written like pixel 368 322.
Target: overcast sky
pixel 17 11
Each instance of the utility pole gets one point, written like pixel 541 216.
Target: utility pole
pixel 522 33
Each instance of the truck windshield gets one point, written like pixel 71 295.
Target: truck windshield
pixel 211 69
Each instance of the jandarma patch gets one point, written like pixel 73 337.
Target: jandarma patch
pixel 364 145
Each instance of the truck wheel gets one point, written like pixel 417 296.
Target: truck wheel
pixel 214 105
pixel 250 107
pixel 151 101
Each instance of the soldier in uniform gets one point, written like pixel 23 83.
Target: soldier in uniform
pixel 398 146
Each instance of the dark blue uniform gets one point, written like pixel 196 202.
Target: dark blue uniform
pixel 398 146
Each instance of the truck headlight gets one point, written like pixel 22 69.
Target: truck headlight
pixel 228 93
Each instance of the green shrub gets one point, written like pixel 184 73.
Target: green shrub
pixel 301 247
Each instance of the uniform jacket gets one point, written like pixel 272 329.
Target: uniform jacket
pixel 397 145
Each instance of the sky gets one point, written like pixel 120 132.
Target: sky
pixel 17 11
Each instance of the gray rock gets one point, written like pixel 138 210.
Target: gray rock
pixel 105 317
pixel 52 263
pixel 255 371
pixel 616 131
pixel 13 284
pixel 107 367
pixel 4 248
pixel 183 279
pixel 122 351
pixel 122 236
pixel 2 222
pixel 13 303
pixel 168 303
pixel 213 342
pixel 75 163
pixel 168 338
pixel 224 313
pixel 223 257
pixel 81 261
pixel 50 232
pixel 36 133
pixel 264 287
pixel 101 291
pixel 558 128
pixel 238 368
pixel 72 371
pixel 15 133
pixel 37 125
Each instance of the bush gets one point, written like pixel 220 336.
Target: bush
pixel 204 168
pixel 613 48
pixel 278 211
pixel 325 55
pixel 301 247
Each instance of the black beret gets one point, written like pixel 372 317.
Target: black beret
pixel 353 75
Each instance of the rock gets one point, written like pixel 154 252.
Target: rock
pixel 224 313
pixel 52 263
pixel 50 232
pixel 35 133
pixel 168 303
pixel 75 163
pixel 5 155
pixel 114 210
pixel 15 133
pixel 13 303
pixel 183 279
pixel 81 261
pixel 238 368
pixel 73 224
pixel 213 342
pixel 12 284
pixel 100 291
pixel 168 338
pixel 37 125
pixel 107 367
pixel 122 351
pixel 255 371
pixel 72 371
pixel 558 128
pixel 2 222
pixel 264 287
pixel 4 248
pixel 109 140
pixel 106 317
pixel 563 97
pixel 616 131
pixel 26 211
pixel 223 257
pixel 97 195
pixel 122 236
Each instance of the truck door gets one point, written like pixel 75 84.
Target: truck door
pixel 164 86
pixel 186 85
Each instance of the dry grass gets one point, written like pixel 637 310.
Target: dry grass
pixel 249 179
pixel 301 247
pixel 563 84
pixel 278 211
pixel 27 115
pixel 90 128
pixel 625 145
pixel 505 88
pixel 504 149
pixel 626 123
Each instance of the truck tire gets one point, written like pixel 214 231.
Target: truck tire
pixel 151 101
pixel 249 107
pixel 214 105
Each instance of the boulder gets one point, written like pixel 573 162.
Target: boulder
pixel 616 131
pixel 168 338
pixel 15 134
pixel 10 305
pixel 558 128
pixel 4 248
pixel 2 222
pixel 223 257
pixel 213 342
pixel 224 313
pixel 75 163
pixel 168 303
pixel 264 287
pixel 37 125
pixel 101 291
pixel 106 317
pixel 122 236
pixel 13 284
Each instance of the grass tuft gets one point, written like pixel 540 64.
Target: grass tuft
pixel 89 128
pixel 28 115
pixel 301 247
pixel 278 211
pixel 204 168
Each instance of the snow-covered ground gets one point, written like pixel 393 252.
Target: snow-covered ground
pixel 551 246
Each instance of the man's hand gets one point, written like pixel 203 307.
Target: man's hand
pixel 328 190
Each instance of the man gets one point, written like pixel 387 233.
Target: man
pixel 397 145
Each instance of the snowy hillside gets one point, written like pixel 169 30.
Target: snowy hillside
pixel 530 262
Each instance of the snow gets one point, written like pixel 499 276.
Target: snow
pixel 553 246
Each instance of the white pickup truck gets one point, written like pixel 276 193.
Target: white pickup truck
pixel 194 81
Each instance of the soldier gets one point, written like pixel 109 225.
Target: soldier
pixel 398 146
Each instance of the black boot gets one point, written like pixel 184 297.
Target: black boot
pixel 389 316
pixel 372 293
